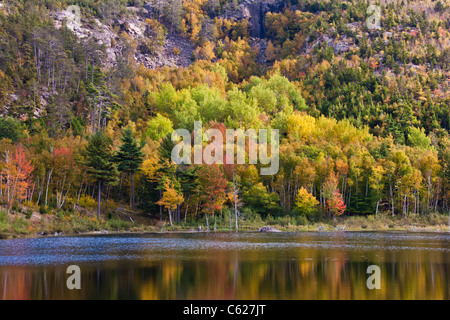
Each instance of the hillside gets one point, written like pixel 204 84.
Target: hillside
pixel 361 100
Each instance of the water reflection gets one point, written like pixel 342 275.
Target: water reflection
pixel 228 266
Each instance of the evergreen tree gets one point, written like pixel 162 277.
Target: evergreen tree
pixel 129 157
pixel 100 163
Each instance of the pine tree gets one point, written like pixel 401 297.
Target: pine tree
pixel 100 163
pixel 129 158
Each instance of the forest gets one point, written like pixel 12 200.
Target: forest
pixel 87 111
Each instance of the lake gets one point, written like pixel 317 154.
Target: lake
pixel 244 265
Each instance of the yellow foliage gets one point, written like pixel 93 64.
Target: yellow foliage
pixel 87 202
pixel 305 201
pixel 205 52
pixel 300 126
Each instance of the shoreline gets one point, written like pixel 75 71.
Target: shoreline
pixel 190 231
pixel 16 225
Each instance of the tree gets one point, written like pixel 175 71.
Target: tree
pixel 377 182
pixel 211 188
pixel 336 204
pixel 24 169
pixel 129 158
pixel 159 127
pixel 16 175
pixel 155 37
pixel 418 138
pixel 262 201
pixel 171 198
pixel 205 52
pixel 439 7
pixel 9 129
pixel 100 98
pixel 271 52
pixel 5 88
pixel 305 202
pixel 65 172
pixel 100 163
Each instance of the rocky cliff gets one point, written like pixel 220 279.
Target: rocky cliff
pixel 255 12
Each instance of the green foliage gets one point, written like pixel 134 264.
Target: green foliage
pixel 363 116
pixel 99 159
pixel 15 208
pixel 43 210
pixel 77 125
pixel 10 129
pixel 129 157
pixel 418 138
pixel 159 127
pixel 28 214
pixel 262 201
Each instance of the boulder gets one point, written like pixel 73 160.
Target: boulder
pixel 268 229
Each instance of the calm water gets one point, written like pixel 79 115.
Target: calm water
pixel 312 265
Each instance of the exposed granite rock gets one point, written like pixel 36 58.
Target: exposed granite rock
pixel 268 229
pixel 255 12
pixel 134 26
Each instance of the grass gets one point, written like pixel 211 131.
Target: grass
pixel 380 222
pixel 29 224
pixel 22 225
pixel 429 222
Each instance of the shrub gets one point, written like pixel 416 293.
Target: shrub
pixel 20 226
pixel 29 214
pixel 285 221
pixel 302 221
pixel 87 202
pixel 249 214
pixel 43 209
pixel 176 51
pixel 4 221
pixel 14 207
pixel 280 221
pixel 117 224
pixel 61 214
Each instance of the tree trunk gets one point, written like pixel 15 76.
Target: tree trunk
pixel 132 191
pixel 99 199
pixel 392 199
pixel 235 202
pixel 160 207
pixel 48 182
pixel 170 217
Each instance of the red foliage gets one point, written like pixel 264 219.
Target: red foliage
pixel 63 152
pixel 16 175
pixel 24 169
pixel 63 157
pixel 212 188
pixel 336 204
